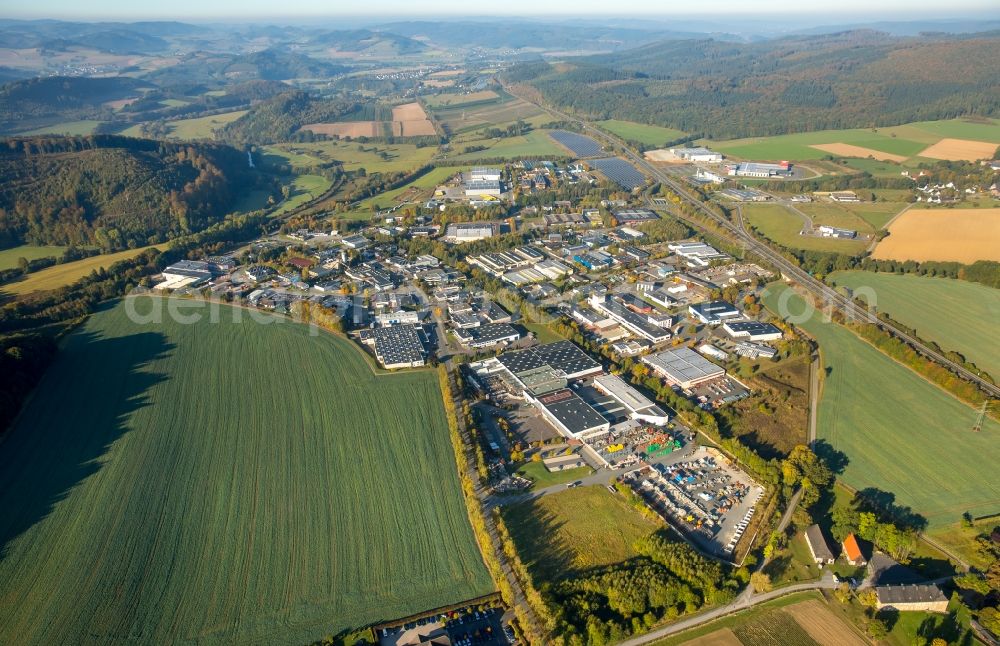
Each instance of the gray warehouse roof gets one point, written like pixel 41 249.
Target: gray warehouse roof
pixel 572 412
pixel 561 355
pixel 684 364
pixel 912 593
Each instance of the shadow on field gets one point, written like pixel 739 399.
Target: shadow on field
pixel 78 411
pixel 535 532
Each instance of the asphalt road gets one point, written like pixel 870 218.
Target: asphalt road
pixel 789 270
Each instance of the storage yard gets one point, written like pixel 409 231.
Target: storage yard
pixel 704 496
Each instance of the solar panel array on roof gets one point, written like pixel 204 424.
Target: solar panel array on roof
pixel 398 344
pixel 563 356
pixel 684 366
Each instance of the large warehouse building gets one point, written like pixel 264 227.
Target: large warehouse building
pixel 572 416
pixel 684 367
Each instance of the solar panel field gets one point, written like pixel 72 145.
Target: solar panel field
pixel 226 483
pixel 579 145
pixel 620 172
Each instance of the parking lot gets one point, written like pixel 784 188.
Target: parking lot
pixel 702 495
pixel 471 628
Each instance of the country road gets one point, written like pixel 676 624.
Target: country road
pixel 738 231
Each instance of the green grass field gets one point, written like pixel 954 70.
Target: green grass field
pixel 9 257
pixel 399 157
pixel 83 127
pixel 58 276
pixel 908 139
pixel 420 188
pixel 782 226
pixel 304 188
pixel 963 315
pixel 900 433
pixel 565 533
pixel 538 474
pixel 226 483
pixel 646 134
pixel 536 143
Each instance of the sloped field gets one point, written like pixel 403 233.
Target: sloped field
pixel 225 483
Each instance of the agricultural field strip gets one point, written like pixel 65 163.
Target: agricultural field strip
pixel 900 432
pixel 219 563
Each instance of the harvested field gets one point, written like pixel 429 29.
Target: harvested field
pixel 408 112
pixel 416 128
pixel 962 235
pixel 822 625
pixel 850 150
pixel 662 155
pixel 721 637
pixel 960 149
pixel 346 128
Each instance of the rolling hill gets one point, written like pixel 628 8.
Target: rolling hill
pixel 114 191
pixel 793 84
pixel 62 97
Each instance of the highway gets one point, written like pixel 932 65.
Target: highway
pixel 738 232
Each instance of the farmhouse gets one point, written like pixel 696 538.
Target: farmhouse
pixel 684 367
pixel 752 330
pixel 697 154
pixel 714 312
pixel 818 546
pixel 852 551
pixel 909 597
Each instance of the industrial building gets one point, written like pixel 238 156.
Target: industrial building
pixel 714 312
pixel 470 231
pixel 833 232
pixel 572 416
pixel 699 154
pixel 754 350
pixel 638 405
pixel 628 216
pixel 752 330
pixel 648 326
pixel 759 170
pixel 483 174
pixel 684 367
pixel 563 358
pixel 698 254
pixel 487 336
pixel 186 273
pixel 397 346
pixel 483 188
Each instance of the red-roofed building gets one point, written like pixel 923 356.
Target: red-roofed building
pixel 852 551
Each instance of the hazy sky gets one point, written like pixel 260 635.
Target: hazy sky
pixel 839 10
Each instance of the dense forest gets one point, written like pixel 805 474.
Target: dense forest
pixel 795 84
pixel 115 192
pixel 62 96
pixel 268 64
pixel 279 118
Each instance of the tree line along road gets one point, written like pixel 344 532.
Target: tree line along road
pixel 790 270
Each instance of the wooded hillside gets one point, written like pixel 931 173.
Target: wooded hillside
pixel 114 191
pixel 796 84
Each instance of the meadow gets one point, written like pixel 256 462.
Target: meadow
pixel 58 276
pixel 196 128
pixel 536 143
pixel 9 257
pixel 645 134
pixel 451 99
pixel 782 226
pixel 353 155
pixel 963 317
pixel 83 127
pixel 906 140
pixel 899 432
pixel 572 531
pixel 303 189
pixel 542 477
pixel 419 189
pixel 236 482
